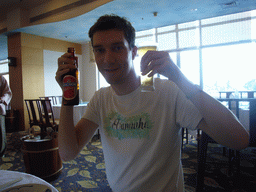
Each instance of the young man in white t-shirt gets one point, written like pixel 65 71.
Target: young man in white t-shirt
pixel 141 132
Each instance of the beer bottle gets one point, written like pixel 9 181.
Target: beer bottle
pixel 70 83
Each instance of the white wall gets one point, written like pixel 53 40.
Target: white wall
pixel 87 69
pixel 50 67
pixel 88 73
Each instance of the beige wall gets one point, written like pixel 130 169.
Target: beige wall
pixel 32 66
pixel 27 78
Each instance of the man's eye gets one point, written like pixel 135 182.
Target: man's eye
pixel 117 48
pixel 98 50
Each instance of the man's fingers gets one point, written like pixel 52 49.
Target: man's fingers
pixel 154 64
pixel 59 73
pixel 150 60
pixel 64 59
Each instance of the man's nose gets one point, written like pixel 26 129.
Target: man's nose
pixel 109 57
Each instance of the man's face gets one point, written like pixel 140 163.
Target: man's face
pixel 113 55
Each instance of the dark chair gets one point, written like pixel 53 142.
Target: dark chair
pixel 40 154
pixel 40 114
pixel 47 119
pixel 234 156
pixel 48 106
pixel 203 142
pixel 51 98
pixel 55 100
pixel 184 136
pixel 34 112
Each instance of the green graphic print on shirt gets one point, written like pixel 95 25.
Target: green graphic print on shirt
pixel 121 127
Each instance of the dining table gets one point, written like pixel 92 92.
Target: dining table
pixel 226 93
pixel 249 94
pixel 78 110
pixel 23 182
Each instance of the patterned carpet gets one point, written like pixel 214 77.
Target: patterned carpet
pixel 87 171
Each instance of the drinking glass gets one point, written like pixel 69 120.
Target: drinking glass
pixel 147 83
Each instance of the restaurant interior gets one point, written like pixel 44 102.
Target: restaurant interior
pixel 213 43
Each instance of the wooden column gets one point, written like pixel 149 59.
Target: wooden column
pixel 15 74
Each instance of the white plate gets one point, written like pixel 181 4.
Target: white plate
pixel 29 188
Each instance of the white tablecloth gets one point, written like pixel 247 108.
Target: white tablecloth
pixel 7 176
pixel 79 111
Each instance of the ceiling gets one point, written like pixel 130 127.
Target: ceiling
pixel 139 12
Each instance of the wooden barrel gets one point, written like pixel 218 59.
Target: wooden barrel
pixel 41 157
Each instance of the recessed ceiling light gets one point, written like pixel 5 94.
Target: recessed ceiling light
pixel 230 4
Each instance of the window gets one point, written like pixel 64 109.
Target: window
pixel 216 53
pixel 189 64
pixel 226 33
pixel 229 68
pixel 167 41
pixel 189 38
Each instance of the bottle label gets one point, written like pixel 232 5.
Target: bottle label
pixel 70 87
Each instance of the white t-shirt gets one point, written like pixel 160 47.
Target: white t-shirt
pixel 141 136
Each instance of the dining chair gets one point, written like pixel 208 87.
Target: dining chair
pixel 233 159
pixel 41 114
pixel 55 100
pixel 184 136
pixel 47 119
pixel 48 105
pixel 34 113
pixel 51 98
pixel 40 154
pixel 233 155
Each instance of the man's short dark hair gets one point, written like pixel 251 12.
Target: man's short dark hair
pixel 107 22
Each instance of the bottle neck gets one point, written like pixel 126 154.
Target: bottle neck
pixel 72 51
pixel 72 54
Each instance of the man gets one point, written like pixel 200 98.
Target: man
pixel 5 98
pixel 141 132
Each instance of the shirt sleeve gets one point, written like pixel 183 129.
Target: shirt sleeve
pixel 187 115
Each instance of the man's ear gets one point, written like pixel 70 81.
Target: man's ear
pixel 134 52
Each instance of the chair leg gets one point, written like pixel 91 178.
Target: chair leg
pixel 182 133
pixel 230 161
pixel 186 136
pixel 237 179
pixel 238 162
pixel 201 163
pixel 234 162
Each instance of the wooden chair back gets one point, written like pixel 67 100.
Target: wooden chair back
pixel 55 100
pixel 47 118
pixel 51 98
pixel 234 156
pixel 34 113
